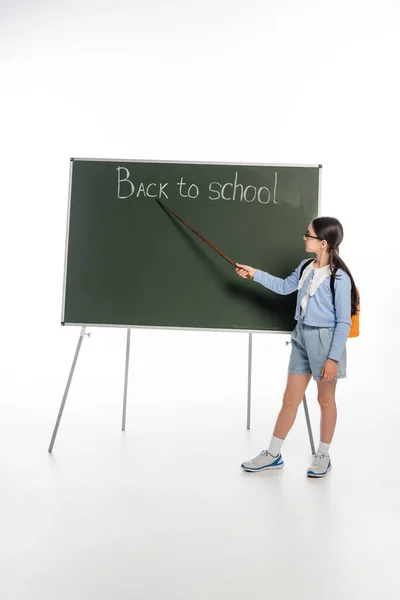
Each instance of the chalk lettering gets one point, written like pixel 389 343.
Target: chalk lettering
pixel 122 180
pixel 210 187
pixel 259 195
pixel 196 192
pixel 180 185
pixel 249 194
pixel 143 190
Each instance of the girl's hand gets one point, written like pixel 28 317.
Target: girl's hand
pixel 245 271
pixel 329 370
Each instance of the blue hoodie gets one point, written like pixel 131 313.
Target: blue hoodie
pixel 321 311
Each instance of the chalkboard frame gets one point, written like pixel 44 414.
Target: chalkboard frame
pixel 176 162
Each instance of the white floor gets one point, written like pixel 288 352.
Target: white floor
pixel 163 511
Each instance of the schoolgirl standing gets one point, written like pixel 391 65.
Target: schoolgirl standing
pixel 318 340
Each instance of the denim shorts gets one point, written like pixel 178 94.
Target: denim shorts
pixel 310 350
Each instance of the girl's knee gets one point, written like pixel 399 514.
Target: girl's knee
pixel 291 402
pixel 326 393
pixel 326 401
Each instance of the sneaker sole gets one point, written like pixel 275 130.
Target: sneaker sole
pixel 321 475
pixel 267 468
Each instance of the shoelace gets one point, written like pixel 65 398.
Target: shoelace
pixel 262 455
pixel 317 460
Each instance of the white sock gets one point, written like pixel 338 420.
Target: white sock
pixel 275 446
pixel 323 448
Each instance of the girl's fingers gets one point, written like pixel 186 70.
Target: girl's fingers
pixel 244 267
pixel 243 272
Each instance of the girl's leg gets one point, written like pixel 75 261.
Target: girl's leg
pixel 292 398
pixel 326 399
pixel 271 459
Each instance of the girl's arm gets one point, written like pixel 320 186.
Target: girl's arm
pixel 278 285
pixel 343 315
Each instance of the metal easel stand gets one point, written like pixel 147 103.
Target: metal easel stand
pixel 128 344
pixel 60 412
pixel 310 435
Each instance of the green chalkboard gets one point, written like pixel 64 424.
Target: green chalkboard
pixel 129 262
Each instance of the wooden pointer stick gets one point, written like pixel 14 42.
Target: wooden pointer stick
pixel 198 234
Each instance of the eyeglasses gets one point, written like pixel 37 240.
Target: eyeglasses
pixel 308 235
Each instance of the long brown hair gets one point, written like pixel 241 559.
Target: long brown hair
pixel 331 230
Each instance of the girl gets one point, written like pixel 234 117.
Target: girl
pixel 318 340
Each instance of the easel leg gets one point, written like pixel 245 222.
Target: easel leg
pixel 308 425
pixel 128 343
pixel 249 381
pixel 60 412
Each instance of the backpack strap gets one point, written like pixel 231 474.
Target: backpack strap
pixel 304 266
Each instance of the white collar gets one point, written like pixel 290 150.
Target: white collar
pixel 319 275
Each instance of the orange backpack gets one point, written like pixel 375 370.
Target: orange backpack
pixel 355 320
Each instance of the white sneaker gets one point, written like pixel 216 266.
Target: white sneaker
pixel 320 466
pixel 263 462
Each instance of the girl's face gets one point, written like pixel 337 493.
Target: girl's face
pixel 311 241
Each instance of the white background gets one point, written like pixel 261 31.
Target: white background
pixel 263 81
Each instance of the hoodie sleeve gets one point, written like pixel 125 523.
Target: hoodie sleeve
pixel 278 285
